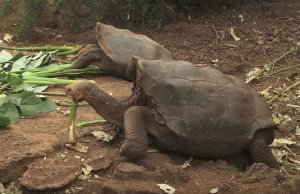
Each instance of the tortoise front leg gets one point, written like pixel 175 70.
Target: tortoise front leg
pixel 136 140
pixel 86 56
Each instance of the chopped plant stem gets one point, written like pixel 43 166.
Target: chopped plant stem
pixel 87 123
pixel 47 68
pixel 60 71
pixel 51 93
pixel 70 72
pixel 71 122
pixel 283 70
pixel 268 65
pixel 68 103
pixel 292 86
pixel 48 81
pixel 70 52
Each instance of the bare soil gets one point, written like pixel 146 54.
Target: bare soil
pixel 33 152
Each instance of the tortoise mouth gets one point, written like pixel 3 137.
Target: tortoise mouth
pixel 71 90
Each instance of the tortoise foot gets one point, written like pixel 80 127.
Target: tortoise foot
pixel 257 168
pixel 133 151
pixel 258 172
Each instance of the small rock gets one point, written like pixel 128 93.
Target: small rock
pixel 130 168
pixel 100 164
pixel 52 173
pixel 83 177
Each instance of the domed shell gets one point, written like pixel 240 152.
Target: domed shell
pixel 203 105
pixel 120 44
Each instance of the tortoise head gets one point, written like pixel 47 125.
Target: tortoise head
pixel 80 91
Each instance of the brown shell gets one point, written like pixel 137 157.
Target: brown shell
pixel 120 44
pixel 201 104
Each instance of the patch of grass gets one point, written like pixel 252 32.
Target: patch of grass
pixel 7 9
pixel 31 11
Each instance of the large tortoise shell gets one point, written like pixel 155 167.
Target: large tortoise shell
pixel 120 44
pixel 202 104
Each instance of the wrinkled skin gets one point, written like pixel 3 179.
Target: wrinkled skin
pixel 144 115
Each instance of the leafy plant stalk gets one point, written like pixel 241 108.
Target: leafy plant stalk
pixel 42 48
pixel 70 52
pixel 58 72
pixel 60 50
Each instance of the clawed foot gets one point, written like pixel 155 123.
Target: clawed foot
pixel 257 168
pixel 133 151
pixel 258 172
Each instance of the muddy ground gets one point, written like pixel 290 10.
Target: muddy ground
pixel 33 155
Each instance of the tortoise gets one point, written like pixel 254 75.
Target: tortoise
pixel 114 49
pixel 197 111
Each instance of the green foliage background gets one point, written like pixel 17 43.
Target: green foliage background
pixel 126 13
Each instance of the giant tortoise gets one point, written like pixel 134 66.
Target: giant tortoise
pixel 114 49
pixel 197 111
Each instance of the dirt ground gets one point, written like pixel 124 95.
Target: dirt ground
pixel 33 155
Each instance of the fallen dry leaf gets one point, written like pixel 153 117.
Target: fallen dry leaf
pixel 8 38
pixel 166 188
pixel 283 142
pixel 214 190
pixel 100 135
pixel 86 169
pixel 297 130
pixel 78 147
pixel 234 36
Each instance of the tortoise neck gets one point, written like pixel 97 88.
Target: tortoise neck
pixel 109 107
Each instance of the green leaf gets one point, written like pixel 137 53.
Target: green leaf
pixel 14 79
pixel 48 105
pixel 16 57
pixel 21 63
pixel 9 110
pixel 20 87
pixel 16 82
pixel 39 88
pixel 30 105
pixel 5 56
pixel 3 99
pixel 36 63
pixel 27 105
pixel 36 56
pixel 35 89
pixel 4 121
pixel 3 76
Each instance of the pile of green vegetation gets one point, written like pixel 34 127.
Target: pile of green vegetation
pixel 126 13
pixel 22 76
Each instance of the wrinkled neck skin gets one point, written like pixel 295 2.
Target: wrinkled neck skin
pixel 110 108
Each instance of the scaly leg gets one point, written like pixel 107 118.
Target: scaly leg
pixel 136 140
